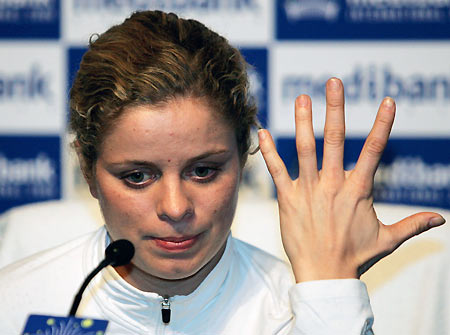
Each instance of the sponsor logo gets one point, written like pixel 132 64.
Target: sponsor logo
pixel 167 5
pixel 365 19
pixel 408 179
pixel 419 174
pixel 30 85
pixel 374 82
pixel 26 11
pixel 32 177
pixel 29 169
pixel 411 171
pixel 240 21
pixel 312 9
pixel 397 11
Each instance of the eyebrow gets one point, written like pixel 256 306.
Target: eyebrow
pixel 207 154
pixel 190 161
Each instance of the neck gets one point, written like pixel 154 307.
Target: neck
pixel 168 287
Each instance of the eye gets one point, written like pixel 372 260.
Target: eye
pixel 202 171
pixel 203 174
pixel 138 178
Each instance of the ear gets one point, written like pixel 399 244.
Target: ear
pixel 88 173
pixel 92 187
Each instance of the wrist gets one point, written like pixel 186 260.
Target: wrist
pixel 308 272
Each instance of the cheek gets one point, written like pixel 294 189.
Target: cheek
pixel 110 199
pixel 117 207
pixel 222 202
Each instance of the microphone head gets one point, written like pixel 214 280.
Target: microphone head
pixel 119 252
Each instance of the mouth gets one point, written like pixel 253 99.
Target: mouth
pixel 176 244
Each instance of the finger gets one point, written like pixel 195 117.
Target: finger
pixel 413 225
pixel 375 143
pixel 334 132
pixel 274 163
pixel 305 141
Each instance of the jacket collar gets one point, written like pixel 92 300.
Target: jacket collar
pixel 131 307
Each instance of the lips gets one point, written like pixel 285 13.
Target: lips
pixel 176 243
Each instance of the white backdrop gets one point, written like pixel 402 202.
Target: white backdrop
pixel 396 48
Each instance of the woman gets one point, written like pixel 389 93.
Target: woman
pixel 162 120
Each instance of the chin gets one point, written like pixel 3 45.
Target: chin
pixel 179 271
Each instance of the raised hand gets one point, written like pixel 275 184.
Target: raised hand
pixel 328 224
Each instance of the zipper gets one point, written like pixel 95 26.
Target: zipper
pixel 165 310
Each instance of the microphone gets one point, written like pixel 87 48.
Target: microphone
pixel 118 253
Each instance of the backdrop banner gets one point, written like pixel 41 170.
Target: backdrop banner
pixel 378 48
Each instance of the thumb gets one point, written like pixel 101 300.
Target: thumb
pixel 413 225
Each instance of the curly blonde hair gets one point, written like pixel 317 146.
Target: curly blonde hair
pixel 151 58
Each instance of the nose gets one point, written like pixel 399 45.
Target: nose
pixel 174 203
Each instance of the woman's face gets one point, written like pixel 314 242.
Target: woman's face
pixel 167 179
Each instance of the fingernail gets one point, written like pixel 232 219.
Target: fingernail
pixel 302 101
pixel 388 102
pixel 334 84
pixel 262 134
pixel 436 221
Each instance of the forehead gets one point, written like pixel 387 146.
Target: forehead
pixel 182 127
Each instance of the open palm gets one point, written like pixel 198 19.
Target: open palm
pixel 328 224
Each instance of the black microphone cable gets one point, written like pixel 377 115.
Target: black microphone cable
pixel 118 253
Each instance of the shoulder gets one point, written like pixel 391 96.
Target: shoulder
pixel 56 256
pixel 47 281
pixel 56 265
pixel 28 229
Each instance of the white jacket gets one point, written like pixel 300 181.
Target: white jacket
pixel 248 292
